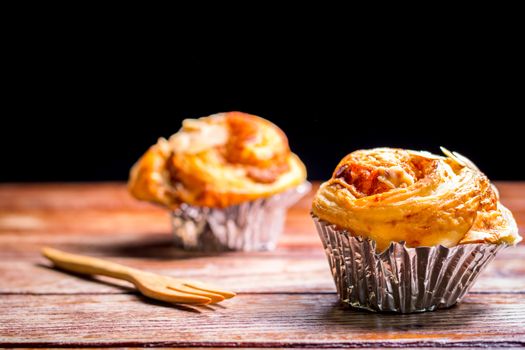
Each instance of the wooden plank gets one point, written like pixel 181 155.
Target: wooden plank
pixel 293 267
pixel 247 274
pixel 280 272
pixel 252 320
pixel 93 222
pixel 69 196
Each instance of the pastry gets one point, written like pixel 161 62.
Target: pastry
pixel 393 195
pixel 221 168
pixel 217 161
pixel 394 204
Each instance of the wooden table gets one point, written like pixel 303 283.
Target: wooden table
pixel 286 298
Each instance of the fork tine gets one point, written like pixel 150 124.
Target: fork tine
pixel 215 298
pixel 174 296
pixel 207 288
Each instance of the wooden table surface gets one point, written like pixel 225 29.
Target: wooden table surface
pixel 286 298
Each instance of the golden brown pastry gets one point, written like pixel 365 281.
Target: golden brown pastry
pixel 217 161
pixel 401 195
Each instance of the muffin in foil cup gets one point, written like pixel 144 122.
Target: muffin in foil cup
pixel 249 226
pixel 401 279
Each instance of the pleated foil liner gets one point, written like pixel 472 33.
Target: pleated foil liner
pixel 401 279
pixel 250 226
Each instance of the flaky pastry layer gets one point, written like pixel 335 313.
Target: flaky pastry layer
pixel 400 195
pixel 217 161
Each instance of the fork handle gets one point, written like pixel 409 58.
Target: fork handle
pixel 88 265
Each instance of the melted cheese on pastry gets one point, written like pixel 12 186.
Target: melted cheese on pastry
pixel 217 161
pixel 400 195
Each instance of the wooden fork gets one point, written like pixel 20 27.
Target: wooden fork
pixel 155 286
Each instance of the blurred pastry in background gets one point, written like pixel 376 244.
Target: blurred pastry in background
pixel 234 161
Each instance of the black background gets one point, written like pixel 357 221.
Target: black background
pixel 84 107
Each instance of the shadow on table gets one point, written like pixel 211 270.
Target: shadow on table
pixel 151 246
pixel 181 307
pixel 440 320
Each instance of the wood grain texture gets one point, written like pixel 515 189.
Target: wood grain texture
pixel 260 273
pixel 287 297
pixel 280 318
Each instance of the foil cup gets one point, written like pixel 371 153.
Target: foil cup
pixel 249 226
pixel 401 279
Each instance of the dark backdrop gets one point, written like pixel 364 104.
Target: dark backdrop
pixel 87 110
